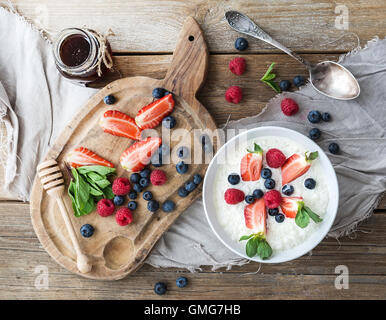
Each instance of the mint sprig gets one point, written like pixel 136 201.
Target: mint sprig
pixel 269 78
pixel 304 215
pixel 257 245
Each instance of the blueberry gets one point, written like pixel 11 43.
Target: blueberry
pixel 326 116
pixel 147 196
pixel 249 199
pixel 269 183
pixel 134 178
pixel 144 182
pixel 258 193
pixel 206 143
pixel 132 195
pixel 132 205
pixel 168 206
pixel 333 148
pixel 145 173
pixel 287 189
pixel 315 133
pixel 190 186
pixel 119 200
pixel 299 81
pixel 181 282
pixel 284 85
pixel 197 179
pixel 233 178
pixel 87 230
pixel 153 205
pixel 183 152
pixel 279 218
pixel 310 183
pixel 241 44
pixel 160 288
pixel 182 192
pixel 158 93
pixel 266 173
pixel 169 122
pixel 181 167
pixel 273 212
pixel 110 99
pixel 314 116
pixel 137 188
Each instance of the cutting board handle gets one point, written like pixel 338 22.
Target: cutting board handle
pixel 189 65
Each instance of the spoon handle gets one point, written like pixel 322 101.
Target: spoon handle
pixel 243 24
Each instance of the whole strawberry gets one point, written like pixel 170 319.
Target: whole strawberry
pixel 121 186
pixel 237 66
pixel 289 107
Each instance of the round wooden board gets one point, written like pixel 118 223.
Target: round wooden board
pixel 117 251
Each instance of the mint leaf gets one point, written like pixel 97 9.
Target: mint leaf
pixel 246 237
pixel 108 192
pixel 313 215
pixel 273 85
pixel 264 250
pixel 312 156
pixel 256 149
pixel 102 170
pixel 302 219
pixel 267 73
pixel 268 78
pixel 251 247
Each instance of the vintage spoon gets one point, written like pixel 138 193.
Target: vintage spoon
pixel 327 77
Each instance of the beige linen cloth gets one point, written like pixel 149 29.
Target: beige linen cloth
pixel 36 103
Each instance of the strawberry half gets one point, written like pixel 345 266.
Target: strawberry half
pixel 296 165
pixel 138 155
pixel 290 206
pixel 151 115
pixel 251 163
pixel 256 216
pixel 84 157
pixel 120 124
pixel 294 207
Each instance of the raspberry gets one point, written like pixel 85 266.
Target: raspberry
pixel 105 207
pixel 289 107
pixel 157 177
pixel 272 199
pixel 237 66
pixel 124 216
pixel 275 158
pixel 234 94
pixel 233 196
pixel 121 186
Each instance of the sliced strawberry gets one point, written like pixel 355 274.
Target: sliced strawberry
pixel 256 216
pixel 151 115
pixel 120 124
pixel 138 155
pixel 295 166
pixel 251 163
pixel 84 157
pixel 290 206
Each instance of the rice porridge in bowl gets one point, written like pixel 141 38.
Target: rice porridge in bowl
pixel 270 195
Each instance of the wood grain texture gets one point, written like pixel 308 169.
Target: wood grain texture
pixel 311 276
pixel 150 26
pixel 115 251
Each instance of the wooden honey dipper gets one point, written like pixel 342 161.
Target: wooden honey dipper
pixel 52 180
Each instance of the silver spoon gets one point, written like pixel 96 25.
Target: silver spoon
pixel 327 77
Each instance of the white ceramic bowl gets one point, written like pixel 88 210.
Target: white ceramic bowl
pixel 315 238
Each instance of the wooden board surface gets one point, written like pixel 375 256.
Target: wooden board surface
pixel 117 251
pixel 150 26
pixel 305 278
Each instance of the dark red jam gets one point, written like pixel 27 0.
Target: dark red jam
pixel 74 50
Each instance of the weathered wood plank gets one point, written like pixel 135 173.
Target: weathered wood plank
pixel 148 26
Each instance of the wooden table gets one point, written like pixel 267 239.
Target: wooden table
pixel 145 35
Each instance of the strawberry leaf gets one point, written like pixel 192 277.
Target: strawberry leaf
pixel 251 247
pixel 256 149
pixel 312 156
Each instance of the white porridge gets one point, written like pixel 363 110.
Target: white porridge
pixel 280 236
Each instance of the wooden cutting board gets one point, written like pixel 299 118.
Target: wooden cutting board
pixel 117 251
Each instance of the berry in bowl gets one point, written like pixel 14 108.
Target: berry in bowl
pixel 270 194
